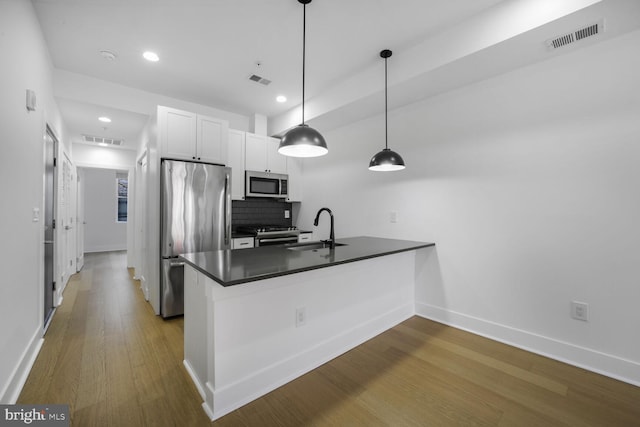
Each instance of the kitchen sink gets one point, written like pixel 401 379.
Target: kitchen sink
pixel 313 246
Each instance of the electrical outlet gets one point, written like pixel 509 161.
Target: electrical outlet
pixel 580 311
pixel 301 316
pixel 393 217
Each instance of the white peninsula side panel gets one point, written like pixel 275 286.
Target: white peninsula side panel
pixel 244 341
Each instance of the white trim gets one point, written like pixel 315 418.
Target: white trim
pixel 20 373
pixel 238 394
pixel 592 360
pixel 106 248
pixel 195 380
pixel 117 167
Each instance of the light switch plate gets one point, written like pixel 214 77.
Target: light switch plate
pixel 31 100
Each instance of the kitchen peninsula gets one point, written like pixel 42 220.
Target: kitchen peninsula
pixel 257 318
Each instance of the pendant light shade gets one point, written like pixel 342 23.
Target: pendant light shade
pixel 386 160
pixel 302 140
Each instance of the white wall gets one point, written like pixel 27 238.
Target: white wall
pixel 103 157
pixel 102 232
pixel 26 65
pixel 528 184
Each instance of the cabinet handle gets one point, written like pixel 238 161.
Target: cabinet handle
pixel 194 157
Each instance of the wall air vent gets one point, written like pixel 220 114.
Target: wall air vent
pixel 574 36
pixel 101 140
pixel 256 78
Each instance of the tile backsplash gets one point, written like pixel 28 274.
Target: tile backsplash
pixel 260 211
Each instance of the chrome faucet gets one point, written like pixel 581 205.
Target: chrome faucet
pixel 332 239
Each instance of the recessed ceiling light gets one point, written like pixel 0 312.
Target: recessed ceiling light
pixel 108 55
pixel 104 119
pixel 151 56
pixel 281 98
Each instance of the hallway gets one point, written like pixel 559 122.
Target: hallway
pixel 110 358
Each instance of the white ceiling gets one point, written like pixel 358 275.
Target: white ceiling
pixel 208 49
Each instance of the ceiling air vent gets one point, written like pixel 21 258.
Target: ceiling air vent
pixel 256 78
pixel 574 36
pixel 101 140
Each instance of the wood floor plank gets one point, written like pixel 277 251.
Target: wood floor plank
pixel 116 363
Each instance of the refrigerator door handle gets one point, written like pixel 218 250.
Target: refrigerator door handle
pixel 176 264
pixel 227 209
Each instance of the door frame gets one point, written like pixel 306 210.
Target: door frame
pixel 51 203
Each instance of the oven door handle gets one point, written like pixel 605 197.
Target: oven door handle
pixel 281 239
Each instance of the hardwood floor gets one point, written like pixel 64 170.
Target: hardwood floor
pixel 117 364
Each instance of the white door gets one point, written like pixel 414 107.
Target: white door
pixel 80 222
pixel 67 214
pixel 72 218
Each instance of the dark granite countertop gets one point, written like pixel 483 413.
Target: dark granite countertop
pixel 233 267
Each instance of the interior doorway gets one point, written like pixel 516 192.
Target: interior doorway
pixel 49 223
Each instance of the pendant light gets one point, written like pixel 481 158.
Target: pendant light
pixel 303 140
pixel 386 160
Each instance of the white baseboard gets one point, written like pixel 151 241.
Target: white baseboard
pixel 232 397
pixel 105 248
pixel 144 287
pixel 605 364
pixel 195 379
pixel 12 389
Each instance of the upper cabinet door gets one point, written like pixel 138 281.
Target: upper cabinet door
pixel 262 154
pixel 276 162
pixel 256 153
pixel 235 155
pixel 189 136
pixel 177 133
pixel 294 169
pixel 212 137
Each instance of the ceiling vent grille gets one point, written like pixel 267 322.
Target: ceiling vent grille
pixel 256 78
pixel 574 36
pixel 101 140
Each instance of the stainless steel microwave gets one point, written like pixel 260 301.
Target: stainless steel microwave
pixel 266 184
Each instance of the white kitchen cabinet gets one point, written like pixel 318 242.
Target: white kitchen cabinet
pixel 235 157
pixel 195 322
pixel 242 243
pixel 306 237
pixel 294 170
pixel 262 154
pixel 189 136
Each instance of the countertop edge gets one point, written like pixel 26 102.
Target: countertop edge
pixel 416 246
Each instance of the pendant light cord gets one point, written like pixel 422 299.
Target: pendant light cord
pixel 304 44
pixel 386 146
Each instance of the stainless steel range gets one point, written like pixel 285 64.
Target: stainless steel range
pixel 270 235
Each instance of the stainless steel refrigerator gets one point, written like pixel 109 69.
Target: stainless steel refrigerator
pixel 196 217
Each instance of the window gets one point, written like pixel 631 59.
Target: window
pixel 122 185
